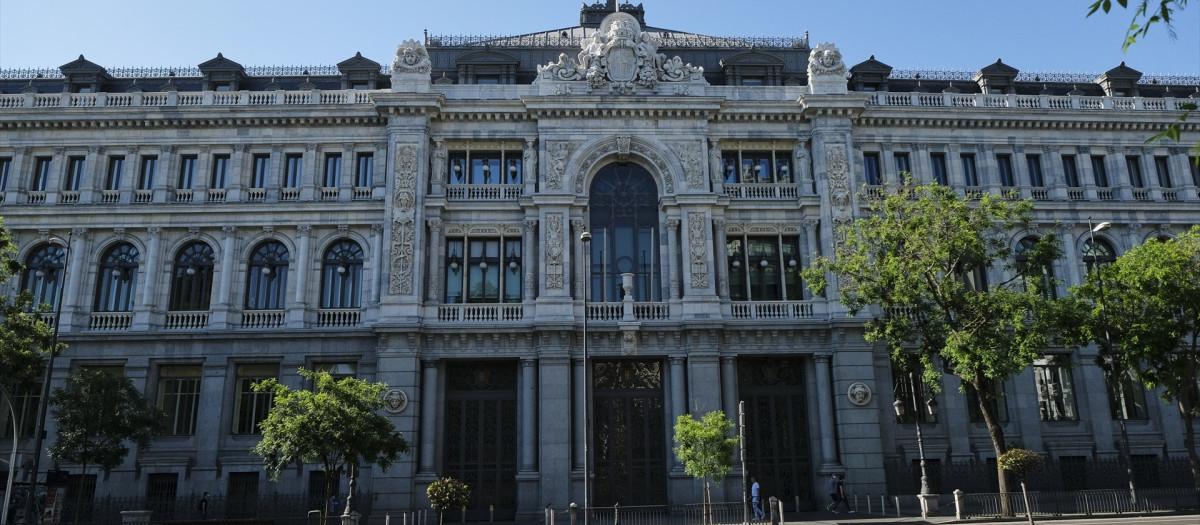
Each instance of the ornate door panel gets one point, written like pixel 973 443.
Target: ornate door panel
pixel 778 451
pixel 628 437
pixel 481 435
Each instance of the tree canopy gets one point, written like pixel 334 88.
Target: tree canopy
pixel 25 338
pixel 705 448
pixel 333 425
pixel 923 254
pixel 1148 301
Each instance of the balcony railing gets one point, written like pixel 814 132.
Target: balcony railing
pixel 761 191
pixel 263 318
pixel 772 310
pixel 473 313
pixel 108 321
pixel 339 317
pixel 986 100
pixel 187 320
pixel 190 98
pixel 484 192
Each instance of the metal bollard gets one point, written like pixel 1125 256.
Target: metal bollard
pixel 781 520
pixel 574 514
pixel 897 502
pixel 387 519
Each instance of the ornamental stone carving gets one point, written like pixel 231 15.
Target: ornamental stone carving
pixel 438 166
pixel 554 251
pixel 859 393
pixel 836 166
pixel 611 146
pixel 406 177
pixel 691 158
pixel 620 58
pixel 401 275
pixel 411 57
pixel 698 251
pixel 826 70
pixel 714 161
pixel 559 153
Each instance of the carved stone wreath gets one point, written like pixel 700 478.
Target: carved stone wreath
pixel 859 393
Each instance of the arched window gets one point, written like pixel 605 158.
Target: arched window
pixel 624 226
pixel 1035 275
pixel 192 277
pixel 341 275
pixel 266 277
pixel 44 271
pixel 1097 254
pixel 117 279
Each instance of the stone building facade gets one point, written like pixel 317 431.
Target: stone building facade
pixel 419 224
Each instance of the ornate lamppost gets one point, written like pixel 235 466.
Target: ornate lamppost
pixel 39 433
pixel 1116 373
pixel 585 238
pixel 928 500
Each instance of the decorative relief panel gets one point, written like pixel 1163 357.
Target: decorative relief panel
pixel 559 152
pixel 404 195
pixel 839 181
pixel 554 251
pixel 698 249
pixel 615 146
pixel 692 159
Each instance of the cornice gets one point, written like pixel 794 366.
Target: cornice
pixel 199 121
pixel 990 121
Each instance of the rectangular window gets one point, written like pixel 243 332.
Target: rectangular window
pixel 179 398
pixel 871 174
pixel 294 165
pixel 5 169
pixel 1070 171
pixel 1004 168
pixel 1162 168
pixel 1034 164
pixel 262 166
pixel 913 406
pixel 220 172
pixel 750 167
pixel 485 167
pixel 25 403
pixel 116 166
pixel 483 270
pixel 1056 391
pixel 187 172
pixel 41 174
pixel 1134 164
pixel 364 174
pixel 337 370
pixel 74 174
pixel 764 268
pixel 333 170
pixel 998 403
pixel 250 407
pixel 1126 398
pixel 970 176
pixel 161 490
pixel 146 174
pixel 902 164
pixel 937 162
pixel 1099 171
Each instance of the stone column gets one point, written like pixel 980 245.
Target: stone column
pixel 151 267
pixel 529 413
pixel 720 262
pixel 829 460
pixel 729 387
pixel 555 432
pixel 74 277
pixel 428 407
pixel 377 262
pixel 579 281
pixel 529 266
pixel 579 389
pixel 303 232
pixel 678 384
pixel 434 293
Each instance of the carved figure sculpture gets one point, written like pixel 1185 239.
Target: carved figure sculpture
pixel 411 57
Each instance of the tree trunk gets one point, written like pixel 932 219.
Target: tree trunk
pixel 329 488
pixel 996 432
pixel 1028 509
pixel 1189 438
pixel 353 471
pixel 78 492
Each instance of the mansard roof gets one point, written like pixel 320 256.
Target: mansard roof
pixel 358 63
pixel 222 64
pixel 81 66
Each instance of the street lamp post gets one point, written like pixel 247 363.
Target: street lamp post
pixel 932 407
pixel 12 457
pixel 585 238
pixel 1116 372
pixel 39 433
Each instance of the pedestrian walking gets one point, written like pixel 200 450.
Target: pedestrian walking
pixel 831 488
pixel 202 506
pixel 755 503
pixel 841 493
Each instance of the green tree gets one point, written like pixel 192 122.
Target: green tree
pixel 25 337
pixel 447 494
pixel 706 450
pixel 334 425
pixel 97 413
pixel 1148 301
pixel 914 255
pixel 1020 462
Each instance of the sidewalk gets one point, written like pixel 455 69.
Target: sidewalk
pixel 823 517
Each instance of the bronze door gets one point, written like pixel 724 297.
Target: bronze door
pixel 629 448
pixel 778 451
pixel 481 435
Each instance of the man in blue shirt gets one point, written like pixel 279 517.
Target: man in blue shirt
pixel 754 502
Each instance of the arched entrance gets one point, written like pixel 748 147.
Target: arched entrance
pixel 623 204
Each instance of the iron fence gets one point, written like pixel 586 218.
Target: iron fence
pixel 277 509
pixel 1066 474
pixel 1081 502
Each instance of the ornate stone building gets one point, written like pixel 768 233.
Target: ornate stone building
pixel 419 224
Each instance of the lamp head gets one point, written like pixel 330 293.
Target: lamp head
pixel 1102 227
pixel 585 236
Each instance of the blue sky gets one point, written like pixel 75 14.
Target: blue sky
pixel 1031 35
